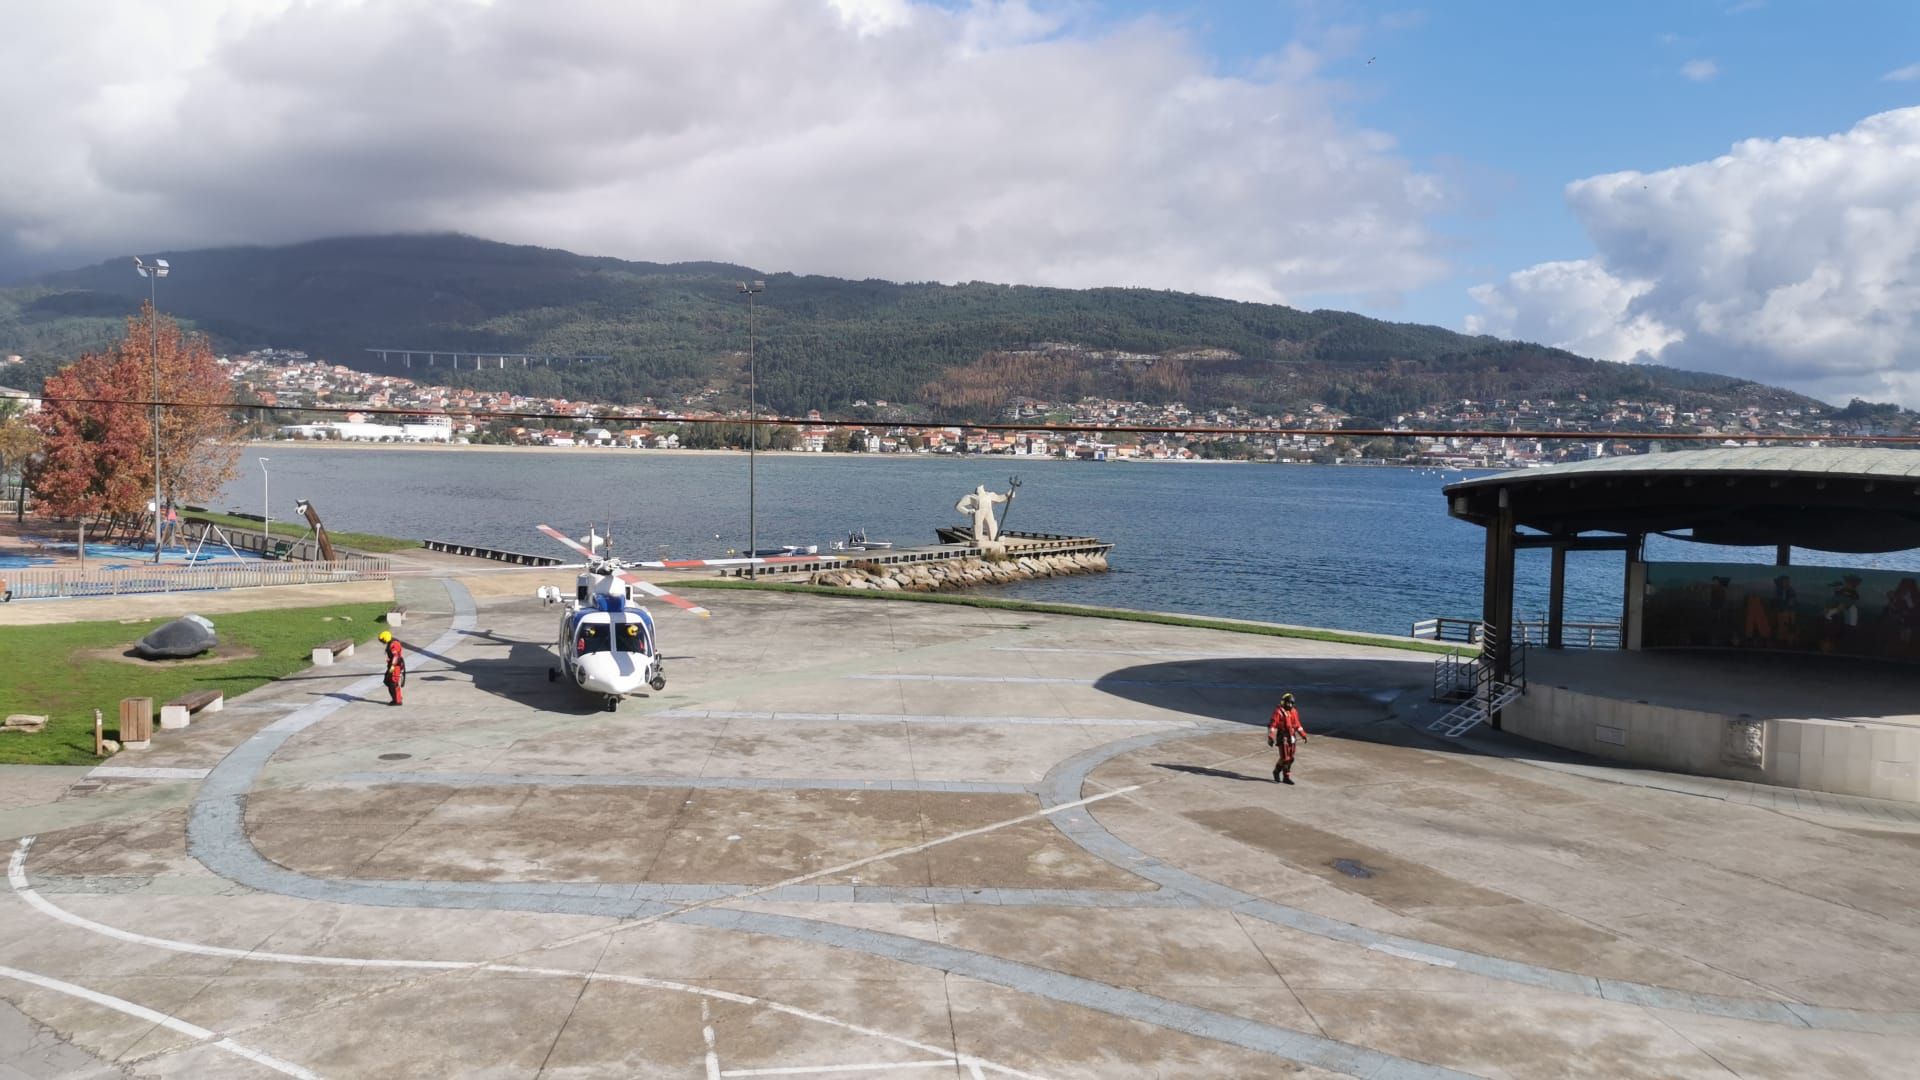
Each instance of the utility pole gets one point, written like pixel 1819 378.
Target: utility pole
pixel 153 272
pixel 753 428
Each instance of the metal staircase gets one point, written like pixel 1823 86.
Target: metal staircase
pixel 1469 682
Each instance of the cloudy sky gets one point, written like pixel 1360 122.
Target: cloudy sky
pixel 1731 185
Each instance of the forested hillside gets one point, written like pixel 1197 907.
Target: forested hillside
pixel 672 329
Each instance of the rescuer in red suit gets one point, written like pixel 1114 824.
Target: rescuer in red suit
pixel 1283 732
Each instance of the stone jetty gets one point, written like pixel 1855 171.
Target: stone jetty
pixel 961 573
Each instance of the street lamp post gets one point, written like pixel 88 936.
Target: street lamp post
pixel 753 428
pixel 266 500
pixel 153 272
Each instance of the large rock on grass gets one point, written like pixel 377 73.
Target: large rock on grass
pixel 189 635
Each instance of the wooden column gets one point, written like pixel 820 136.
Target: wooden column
pixel 1557 597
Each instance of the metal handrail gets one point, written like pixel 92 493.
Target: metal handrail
pixel 1449 628
pixel 1574 634
pixel 48 583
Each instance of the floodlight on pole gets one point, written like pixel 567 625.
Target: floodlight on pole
pixel 266 500
pixel 753 429
pixel 153 272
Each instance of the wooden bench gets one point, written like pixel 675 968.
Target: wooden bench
pixel 180 712
pixel 327 652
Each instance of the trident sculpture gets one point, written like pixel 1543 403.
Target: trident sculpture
pixel 980 504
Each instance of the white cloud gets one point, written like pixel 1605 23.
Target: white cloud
pixel 1910 73
pixel 1792 261
pixel 893 138
pixel 1701 70
pixel 1576 305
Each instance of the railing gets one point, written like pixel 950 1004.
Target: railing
pixel 1470 682
pixel 1574 634
pixel 1447 628
pixel 127 580
pixel 1454 677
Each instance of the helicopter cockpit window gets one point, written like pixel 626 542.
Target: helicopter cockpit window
pixel 591 638
pixel 630 639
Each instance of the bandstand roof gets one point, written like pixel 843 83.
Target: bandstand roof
pixel 1825 499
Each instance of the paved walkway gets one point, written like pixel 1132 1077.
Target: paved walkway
pixel 899 839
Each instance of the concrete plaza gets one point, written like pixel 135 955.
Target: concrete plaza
pixel 866 838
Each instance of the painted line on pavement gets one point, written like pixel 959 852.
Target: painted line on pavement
pixel 1189 654
pixel 706 1032
pixel 704 783
pixel 831 871
pixel 1409 954
pixel 920 718
pixel 1061 680
pixel 171 1023
pixel 815 1070
pixel 134 772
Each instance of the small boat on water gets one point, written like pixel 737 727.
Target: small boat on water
pixel 857 541
pixel 787 549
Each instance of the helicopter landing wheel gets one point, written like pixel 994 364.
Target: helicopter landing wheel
pixel 659 683
pixel 553 674
pixel 612 703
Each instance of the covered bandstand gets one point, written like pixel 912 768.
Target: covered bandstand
pixel 1804 675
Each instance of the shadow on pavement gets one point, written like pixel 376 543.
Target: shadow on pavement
pixel 1202 770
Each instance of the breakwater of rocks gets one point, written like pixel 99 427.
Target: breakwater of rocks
pixel 963 573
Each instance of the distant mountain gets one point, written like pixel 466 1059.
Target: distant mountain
pixel 954 351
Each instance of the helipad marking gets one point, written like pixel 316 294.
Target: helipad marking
pixel 17 878
pixel 191 1031
pixel 706 1032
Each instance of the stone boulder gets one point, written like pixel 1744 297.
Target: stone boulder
pixel 189 635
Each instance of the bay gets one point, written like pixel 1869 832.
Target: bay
pixel 1335 546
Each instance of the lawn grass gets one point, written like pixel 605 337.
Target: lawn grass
pixel 1162 618
pixel 367 542
pixel 54 670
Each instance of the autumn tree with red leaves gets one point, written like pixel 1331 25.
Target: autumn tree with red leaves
pixel 97 430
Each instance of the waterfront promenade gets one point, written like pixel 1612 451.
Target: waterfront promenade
pixel 902 839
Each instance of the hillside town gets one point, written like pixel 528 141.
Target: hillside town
pixel 352 405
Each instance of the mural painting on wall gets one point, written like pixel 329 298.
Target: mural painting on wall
pixel 1784 608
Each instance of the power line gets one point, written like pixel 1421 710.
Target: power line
pixel 624 417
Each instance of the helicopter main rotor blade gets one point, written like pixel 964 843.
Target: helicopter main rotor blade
pixel 576 545
pixel 663 595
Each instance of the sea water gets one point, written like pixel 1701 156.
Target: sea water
pixel 1337 546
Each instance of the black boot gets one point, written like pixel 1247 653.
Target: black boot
pixel 1286 778
pixel 1276 774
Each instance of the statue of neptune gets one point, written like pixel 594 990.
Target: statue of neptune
pixel 979 503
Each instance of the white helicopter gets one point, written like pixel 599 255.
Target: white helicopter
pixel 606 642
